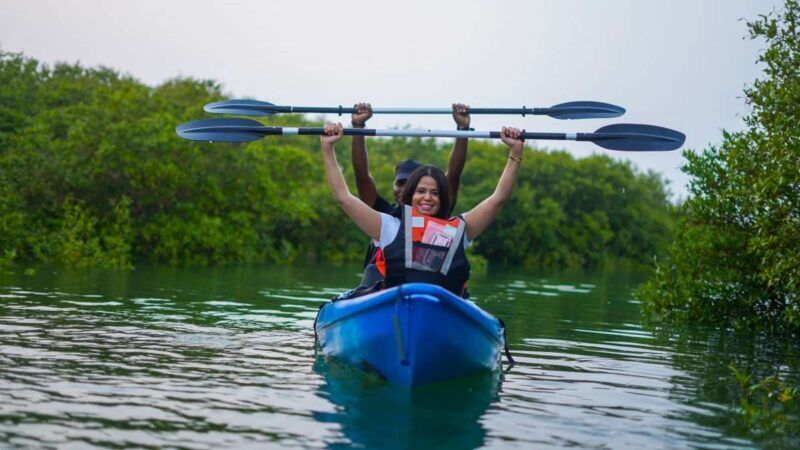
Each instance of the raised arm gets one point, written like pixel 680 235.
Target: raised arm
pixel 482 215
pixel 367 191
pixel 362 214
pixel 459 154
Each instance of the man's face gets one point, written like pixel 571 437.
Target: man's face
pixel 397 188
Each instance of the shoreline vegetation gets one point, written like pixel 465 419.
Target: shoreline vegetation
pixel 92 174
pixel 735 261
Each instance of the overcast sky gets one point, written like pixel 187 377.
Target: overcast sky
pixel 679 63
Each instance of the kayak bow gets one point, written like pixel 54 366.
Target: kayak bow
pixel 411 335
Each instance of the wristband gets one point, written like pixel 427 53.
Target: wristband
pixel 363 125
pixel 460 128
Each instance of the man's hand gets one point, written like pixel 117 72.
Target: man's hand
pixel 362 114
pixel 461 115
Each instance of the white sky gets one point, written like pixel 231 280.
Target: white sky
pixel 679 63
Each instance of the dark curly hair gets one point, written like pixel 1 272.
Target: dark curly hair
pixel 441 182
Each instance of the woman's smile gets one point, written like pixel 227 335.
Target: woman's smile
pixel 426 196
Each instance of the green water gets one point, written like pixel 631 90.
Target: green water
pixel 224 358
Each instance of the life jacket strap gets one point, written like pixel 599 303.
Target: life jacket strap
pixel 454 246
pixel 408 226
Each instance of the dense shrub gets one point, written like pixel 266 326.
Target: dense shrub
pixel 736 257
pixel 92 173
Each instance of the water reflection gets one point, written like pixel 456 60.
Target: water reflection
pixel 223 357
pixel 376 414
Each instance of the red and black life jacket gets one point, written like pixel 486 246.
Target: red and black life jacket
pixel 426 250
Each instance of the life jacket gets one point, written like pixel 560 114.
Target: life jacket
pixel 426 250
pixel 394 211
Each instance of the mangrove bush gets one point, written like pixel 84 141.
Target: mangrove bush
pixel 92 174
pixel 736 256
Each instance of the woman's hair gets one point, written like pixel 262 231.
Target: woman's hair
pixel 441 182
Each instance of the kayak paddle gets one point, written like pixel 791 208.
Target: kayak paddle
pixel 622 136
pixel 570 110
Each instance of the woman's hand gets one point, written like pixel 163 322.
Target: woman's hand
pixel 461 115
pixel 479 217
pixel 510 137
pixel 333 133
pixel 362 114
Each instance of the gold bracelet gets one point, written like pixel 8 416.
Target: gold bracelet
pixel 515 158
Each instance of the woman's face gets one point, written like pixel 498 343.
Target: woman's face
pixel 425 199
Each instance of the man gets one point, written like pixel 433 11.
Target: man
pixel 367 190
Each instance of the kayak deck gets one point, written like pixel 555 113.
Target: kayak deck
pixel 411 335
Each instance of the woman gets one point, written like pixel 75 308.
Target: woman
pixel 424 245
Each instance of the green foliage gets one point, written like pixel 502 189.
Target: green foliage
pixel 92 174
pixel 736 257
pixel 81 241
pixel 570 213
pixel 767 406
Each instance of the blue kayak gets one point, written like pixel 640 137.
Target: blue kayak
pixel 411 335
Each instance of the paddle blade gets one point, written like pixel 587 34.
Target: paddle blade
pixel 634 137
pixel 223 130
pixel 241 107
pixel 584 110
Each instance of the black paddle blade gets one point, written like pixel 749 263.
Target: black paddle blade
pixel 241 107
pixel 634 137
pixel 584 110
pixel 223 130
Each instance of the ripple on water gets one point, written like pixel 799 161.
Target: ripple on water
pixel 190 364
pixel 620 391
